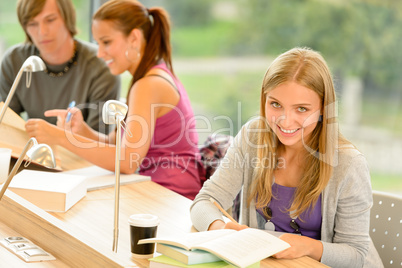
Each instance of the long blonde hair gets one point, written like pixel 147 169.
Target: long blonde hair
pixel 309 69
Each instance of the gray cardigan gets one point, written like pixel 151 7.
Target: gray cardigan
pixel 346 202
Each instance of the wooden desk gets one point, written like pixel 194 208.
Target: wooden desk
pixel 145 197
pixel 71 246
pixel 83 236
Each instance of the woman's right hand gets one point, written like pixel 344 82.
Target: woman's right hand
pixel 76 124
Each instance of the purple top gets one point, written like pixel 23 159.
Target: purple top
pixel 173 158
pixel 311 224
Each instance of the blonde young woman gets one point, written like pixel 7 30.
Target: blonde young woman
pixel 297 174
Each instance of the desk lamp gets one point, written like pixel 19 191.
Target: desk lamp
pixel 113 113
pixel 32 64
pixel 40 153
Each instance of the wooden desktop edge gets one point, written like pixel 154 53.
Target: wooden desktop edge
pixel 68 244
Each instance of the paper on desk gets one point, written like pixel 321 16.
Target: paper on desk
pixel 99 178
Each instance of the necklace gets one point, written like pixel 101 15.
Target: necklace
pixel 269 225
pixel 72 62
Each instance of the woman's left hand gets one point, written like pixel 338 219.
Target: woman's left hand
pixel 300 246
pixel 235 226
pixel 42 131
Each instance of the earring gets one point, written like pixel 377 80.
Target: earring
pixel 138 54
pixel 136 59
pixel 320 118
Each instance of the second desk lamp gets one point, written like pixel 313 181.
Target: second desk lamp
pixel 113 113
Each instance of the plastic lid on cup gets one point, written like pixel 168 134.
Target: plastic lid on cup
pixel 143 220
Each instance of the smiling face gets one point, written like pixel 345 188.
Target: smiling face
pixel 113 45
pixel 292 112
pixel 48 30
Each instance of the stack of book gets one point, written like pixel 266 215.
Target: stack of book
pixel 173 256
pixel 218 248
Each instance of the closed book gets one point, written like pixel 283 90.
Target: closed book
pixel 163 261
pixel 51 191
pixel 186 256
pixel 100 178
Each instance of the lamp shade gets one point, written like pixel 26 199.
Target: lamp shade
pixel 34 64
pixel 111 109
pixel 43 155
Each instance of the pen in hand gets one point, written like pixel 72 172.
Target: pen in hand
pixel 222 210
pixel 71 105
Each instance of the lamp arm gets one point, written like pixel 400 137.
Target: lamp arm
pixel 119 119
pixel 11 93
pixel 31 142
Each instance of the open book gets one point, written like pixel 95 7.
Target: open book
pixel 240 248
pixel 14 136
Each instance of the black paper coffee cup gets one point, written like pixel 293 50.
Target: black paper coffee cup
pixel 142 226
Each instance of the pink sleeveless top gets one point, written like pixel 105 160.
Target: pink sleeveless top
pixel 173 158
